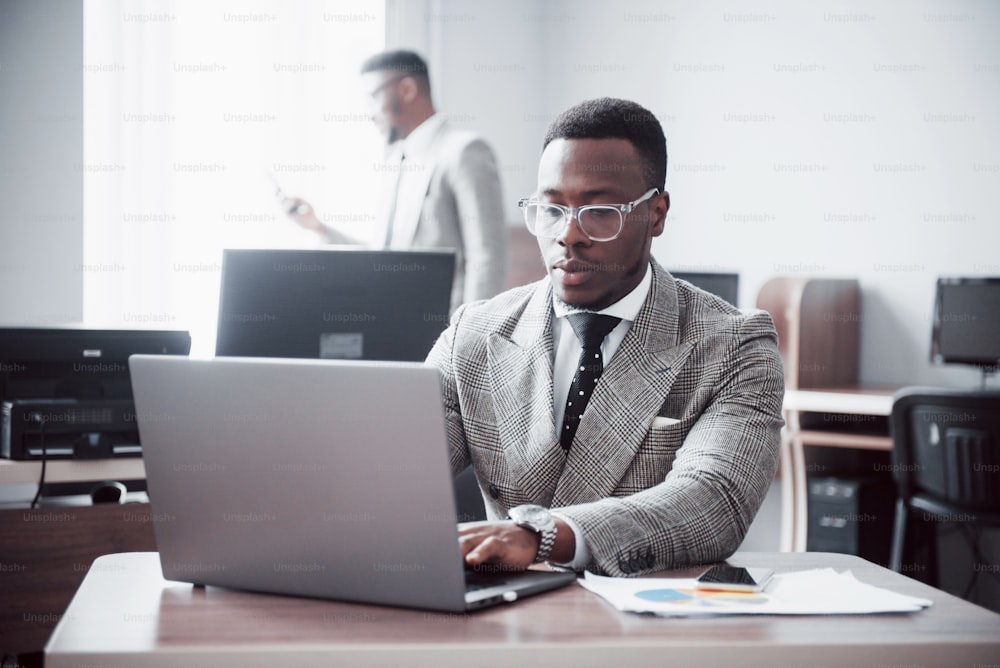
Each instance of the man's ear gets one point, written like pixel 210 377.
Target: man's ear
pixel 408 89
pixel 660 208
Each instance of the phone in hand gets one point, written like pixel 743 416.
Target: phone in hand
pixel 293 206
pixel 725 577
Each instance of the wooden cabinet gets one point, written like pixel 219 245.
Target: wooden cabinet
pixel 46 552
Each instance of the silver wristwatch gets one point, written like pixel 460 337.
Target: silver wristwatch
pixel 540 520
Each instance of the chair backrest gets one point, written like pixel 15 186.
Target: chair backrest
pixel 819 329
pixel 946 448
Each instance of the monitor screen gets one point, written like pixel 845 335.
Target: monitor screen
pixel 726 286
pixel 967 321
pixel 56 363
pixel 333 303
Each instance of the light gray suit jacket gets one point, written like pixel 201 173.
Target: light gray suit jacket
pixel 648 493
pixel 462 210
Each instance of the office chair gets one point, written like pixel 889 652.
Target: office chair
pixel 946 465
pixel 468 499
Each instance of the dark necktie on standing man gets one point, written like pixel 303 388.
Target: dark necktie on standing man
pixel 590 329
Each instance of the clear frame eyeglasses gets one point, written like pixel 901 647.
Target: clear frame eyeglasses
pixel 385 84
pixel 600 222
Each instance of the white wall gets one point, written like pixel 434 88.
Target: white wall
pixel 41 162
pixel 830 139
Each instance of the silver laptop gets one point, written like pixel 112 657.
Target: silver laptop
pixel 316 478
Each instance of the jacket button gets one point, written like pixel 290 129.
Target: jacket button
pixel 494 492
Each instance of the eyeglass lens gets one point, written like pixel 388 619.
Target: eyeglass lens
pixel 598 222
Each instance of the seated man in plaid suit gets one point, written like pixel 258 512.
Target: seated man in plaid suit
pixel 616 419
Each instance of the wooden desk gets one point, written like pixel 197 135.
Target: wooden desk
pixel 45 554
pixel 847 401
pixel 125 614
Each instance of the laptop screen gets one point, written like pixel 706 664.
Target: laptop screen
pixel 333 303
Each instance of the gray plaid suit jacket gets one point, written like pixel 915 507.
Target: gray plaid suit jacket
pixel 647 493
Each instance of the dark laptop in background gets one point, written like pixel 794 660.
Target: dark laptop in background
pixel 334 303
pixel 340 303
pixel 720 284
pixel 319 478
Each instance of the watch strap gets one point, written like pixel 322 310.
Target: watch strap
pixel 548 541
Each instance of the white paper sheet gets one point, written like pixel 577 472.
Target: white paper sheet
pixel 813 592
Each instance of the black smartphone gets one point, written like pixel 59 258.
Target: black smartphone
pixel 724 577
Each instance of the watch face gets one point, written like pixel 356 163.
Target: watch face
pixel 535 516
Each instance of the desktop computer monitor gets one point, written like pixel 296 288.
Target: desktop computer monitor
pixel 333 303
pixel 967 322
pixel 723 285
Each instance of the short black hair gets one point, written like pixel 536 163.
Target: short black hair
pixel 613 118
pixel 406 62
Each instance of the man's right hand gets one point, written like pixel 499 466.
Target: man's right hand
pixel 503 543
pixel 302 213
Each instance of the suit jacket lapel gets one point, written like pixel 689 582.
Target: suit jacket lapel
pixel 520 370
pixel 628 396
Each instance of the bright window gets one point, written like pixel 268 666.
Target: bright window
pixel 190 110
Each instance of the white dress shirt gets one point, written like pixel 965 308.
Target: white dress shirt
pixel 412 183
pixel 567 351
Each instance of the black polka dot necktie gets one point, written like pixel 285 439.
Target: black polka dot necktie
pixel 590 329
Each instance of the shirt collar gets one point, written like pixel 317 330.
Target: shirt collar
pixel 419 141
pixel 626 308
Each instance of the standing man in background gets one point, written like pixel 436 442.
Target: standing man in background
pixel 444 186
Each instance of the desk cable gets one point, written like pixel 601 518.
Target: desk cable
pixel 42 421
